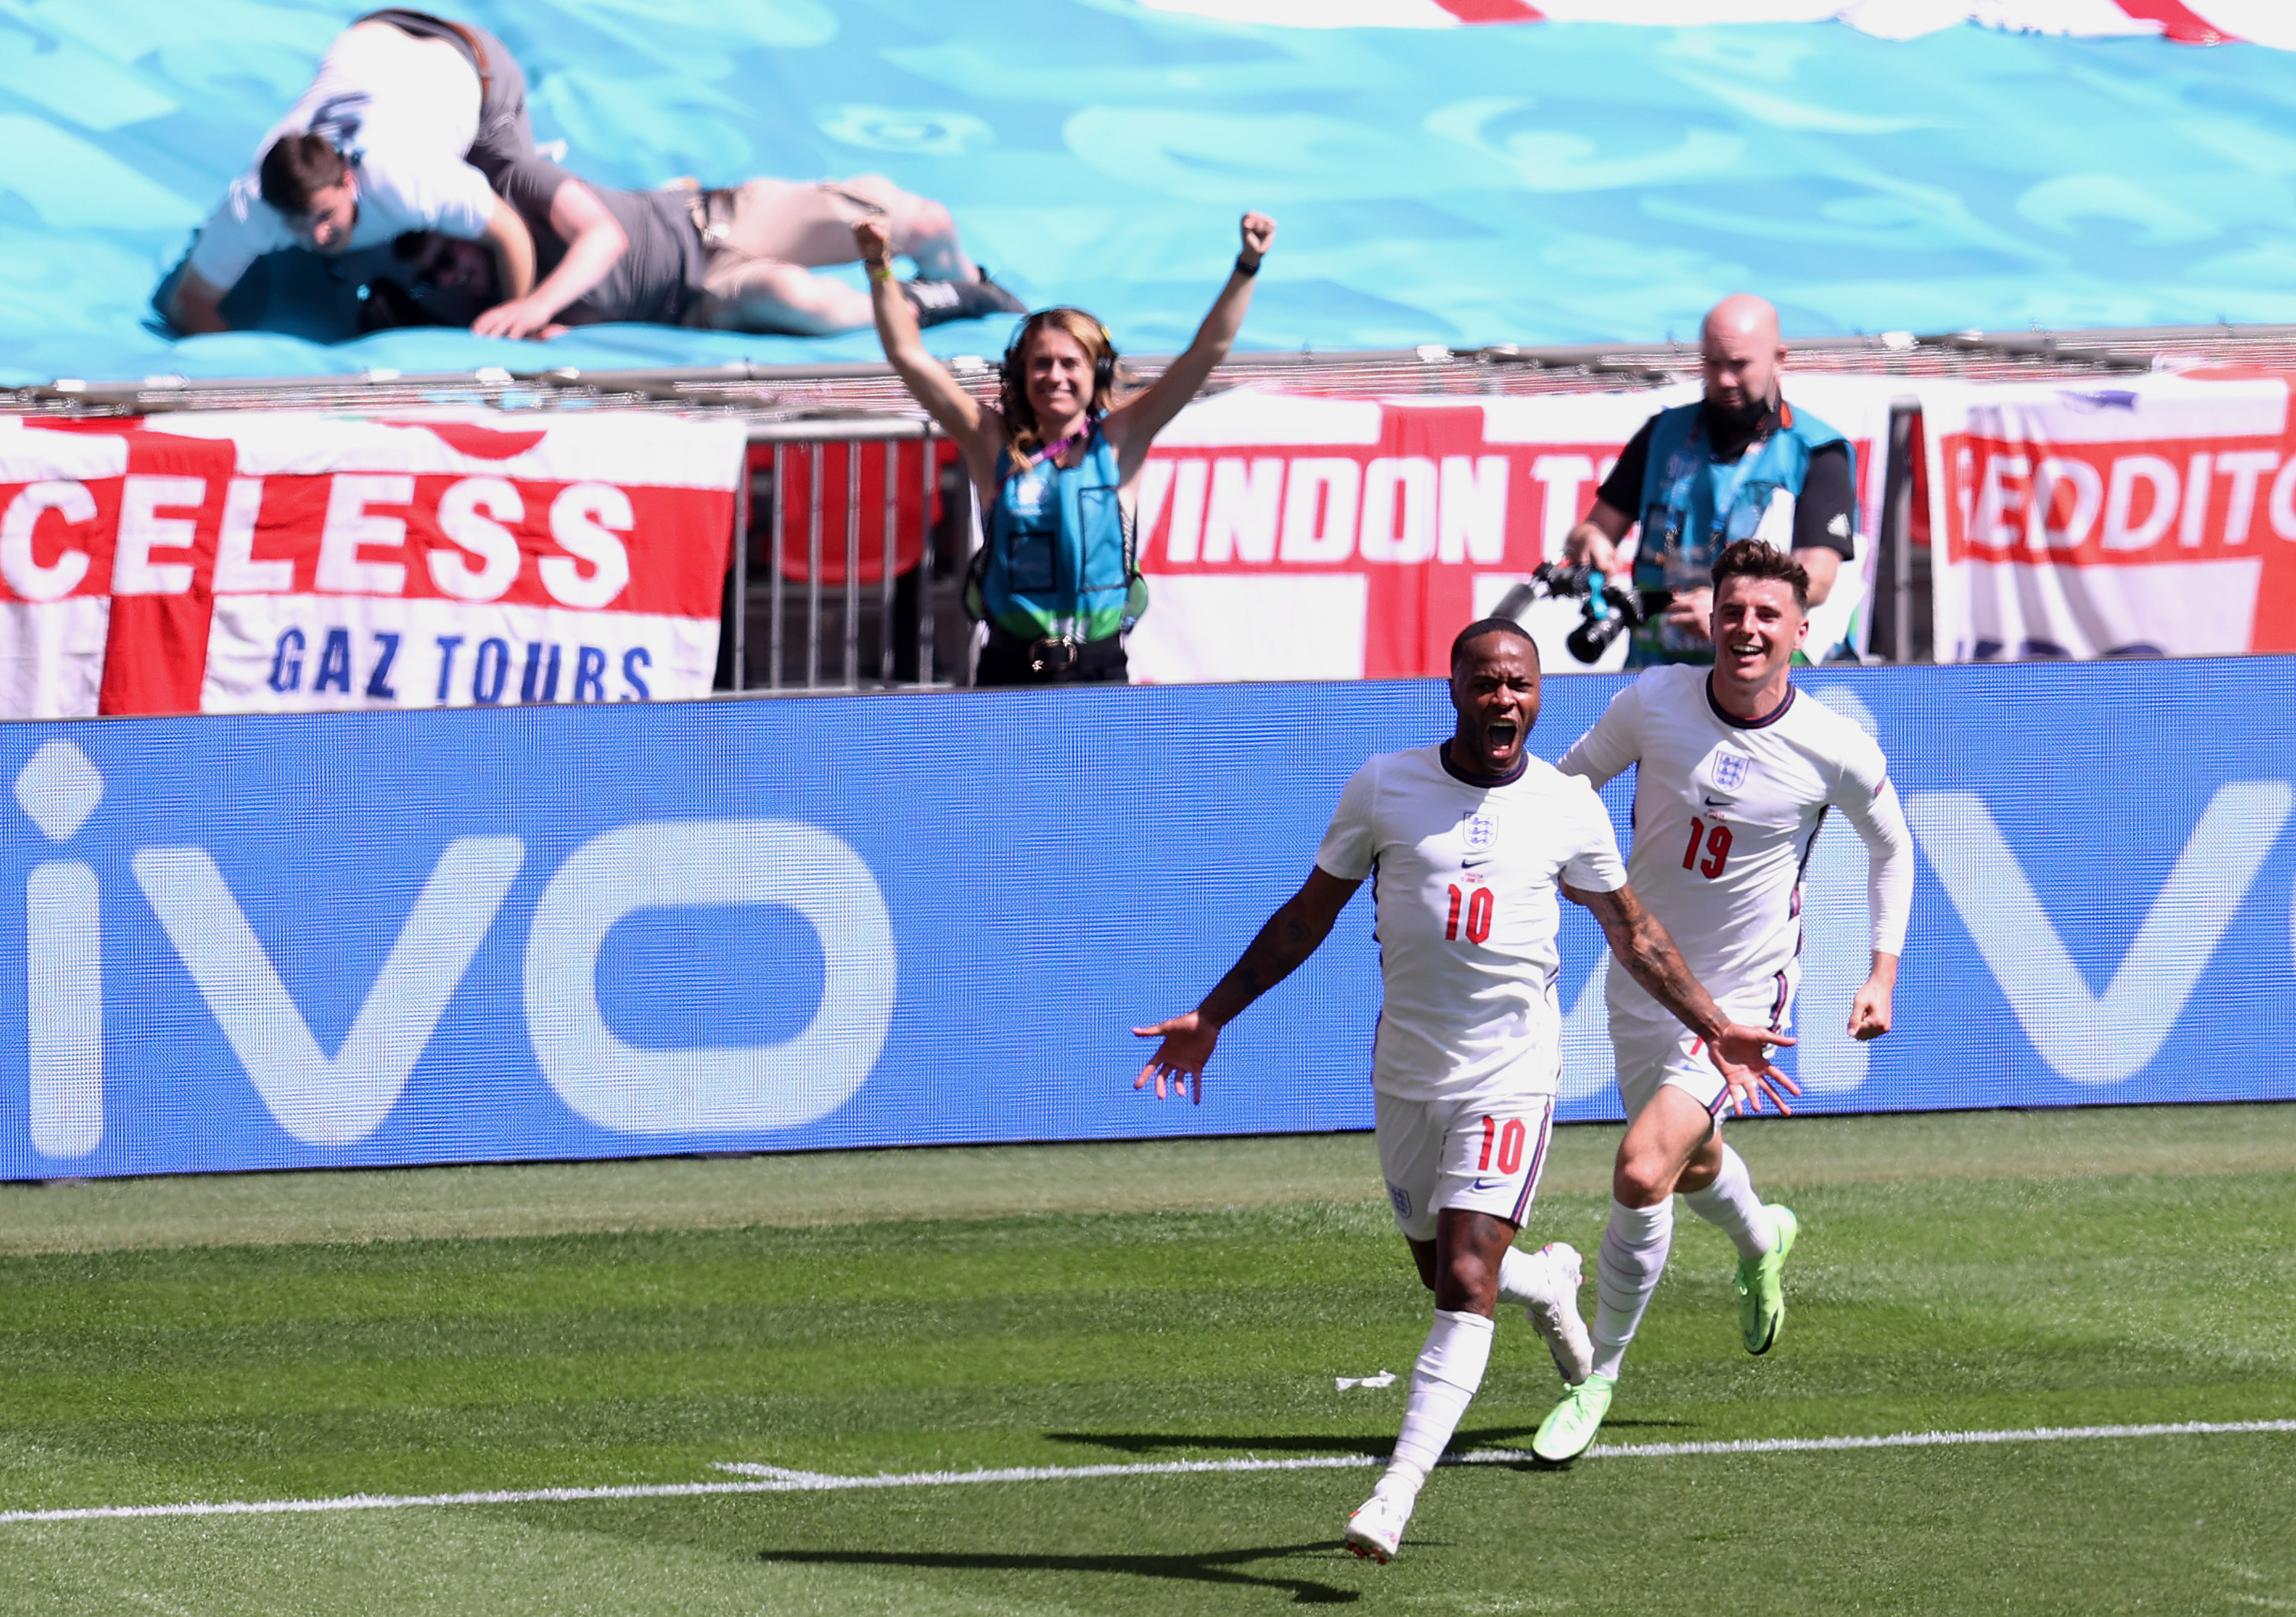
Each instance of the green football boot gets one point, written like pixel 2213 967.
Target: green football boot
pixel 1570 1427
pixel 1761 1299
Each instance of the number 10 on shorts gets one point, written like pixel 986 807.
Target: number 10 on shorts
pixel 1508 1138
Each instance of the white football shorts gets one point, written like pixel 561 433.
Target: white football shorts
pixel 1479 1153
pixel 1655 1052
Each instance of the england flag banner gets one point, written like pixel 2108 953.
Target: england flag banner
pixel 1291 536
pixel 2144 516
pixel 289 562
pixel 451 561
pixel 106 532
pixel 56 564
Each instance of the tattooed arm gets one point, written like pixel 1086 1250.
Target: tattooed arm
pixel 1640 942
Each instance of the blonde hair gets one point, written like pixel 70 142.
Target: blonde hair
pixel 1021 427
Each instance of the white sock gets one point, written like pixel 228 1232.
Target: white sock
pixel 1627 1270
pixel 1443 1383
pixel 1527 1276
pixel 1732 1207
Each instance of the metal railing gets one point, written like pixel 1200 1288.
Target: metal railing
pixel 818 548
pixel 797 412
pixel 789 391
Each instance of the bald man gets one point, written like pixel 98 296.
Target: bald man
pixel 1742 464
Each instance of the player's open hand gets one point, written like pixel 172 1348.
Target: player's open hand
pixel 1741 1054
pixel 1259 235
pixel 1869 1012
pixel 1179 1064
pixel 871 240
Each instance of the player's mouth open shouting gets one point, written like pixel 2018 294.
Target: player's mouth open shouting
pixel 1502 705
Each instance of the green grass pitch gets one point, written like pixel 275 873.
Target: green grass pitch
pixel 312 1336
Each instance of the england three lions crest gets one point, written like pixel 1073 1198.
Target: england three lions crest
pixel 1730 770
pixel 1480 834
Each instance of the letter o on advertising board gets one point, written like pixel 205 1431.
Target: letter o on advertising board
pixel 698 864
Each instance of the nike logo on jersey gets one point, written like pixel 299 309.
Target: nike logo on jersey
pixel 1713 801
pixel 1468 861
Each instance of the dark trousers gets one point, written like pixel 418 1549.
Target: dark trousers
pixel 1008 659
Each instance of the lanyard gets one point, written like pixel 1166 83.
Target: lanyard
pixel 1726 500
pixel 1050 455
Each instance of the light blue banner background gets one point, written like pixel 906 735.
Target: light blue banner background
pixel 2102 916
pixel 1533 183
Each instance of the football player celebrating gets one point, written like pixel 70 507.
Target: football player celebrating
pixel 1734 773
pixel 1472 839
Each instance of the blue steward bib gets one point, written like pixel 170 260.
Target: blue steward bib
pixel 1694 505
pixel 1059 550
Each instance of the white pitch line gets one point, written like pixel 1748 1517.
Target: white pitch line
pixel 776 1478
pixel 1922 1440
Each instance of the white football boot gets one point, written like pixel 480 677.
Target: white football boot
pixel 1376 1529
pixel 1556 1315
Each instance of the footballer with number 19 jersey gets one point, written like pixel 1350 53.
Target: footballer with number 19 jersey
pixel 1736 774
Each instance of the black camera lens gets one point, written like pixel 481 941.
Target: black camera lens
pixel 1593 637
pixel 1621 610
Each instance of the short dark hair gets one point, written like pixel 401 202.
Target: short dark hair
pixel 296 168
pixel 1489 626
pixel 1757 558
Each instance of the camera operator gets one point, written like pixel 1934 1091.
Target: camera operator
pixel 1743 464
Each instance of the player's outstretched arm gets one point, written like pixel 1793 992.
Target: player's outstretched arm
pixel 1640 943
pixel 1291 934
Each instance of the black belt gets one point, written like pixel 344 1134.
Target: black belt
pixel 712 212
pixel 1052 654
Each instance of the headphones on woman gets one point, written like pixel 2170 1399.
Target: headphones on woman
pixel 1104 370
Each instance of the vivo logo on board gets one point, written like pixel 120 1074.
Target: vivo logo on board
pixel 339 1098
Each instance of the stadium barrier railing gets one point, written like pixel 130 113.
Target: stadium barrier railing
pixel 812 549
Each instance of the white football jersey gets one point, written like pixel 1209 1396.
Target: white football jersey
pixel 1463 881
pixel 1726 813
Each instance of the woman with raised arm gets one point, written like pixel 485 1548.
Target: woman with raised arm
pixel 1056 464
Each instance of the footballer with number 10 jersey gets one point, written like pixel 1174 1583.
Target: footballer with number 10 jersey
pixel 1469 846
pixel 1464 873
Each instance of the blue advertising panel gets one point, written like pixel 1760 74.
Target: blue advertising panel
pixel 555 932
